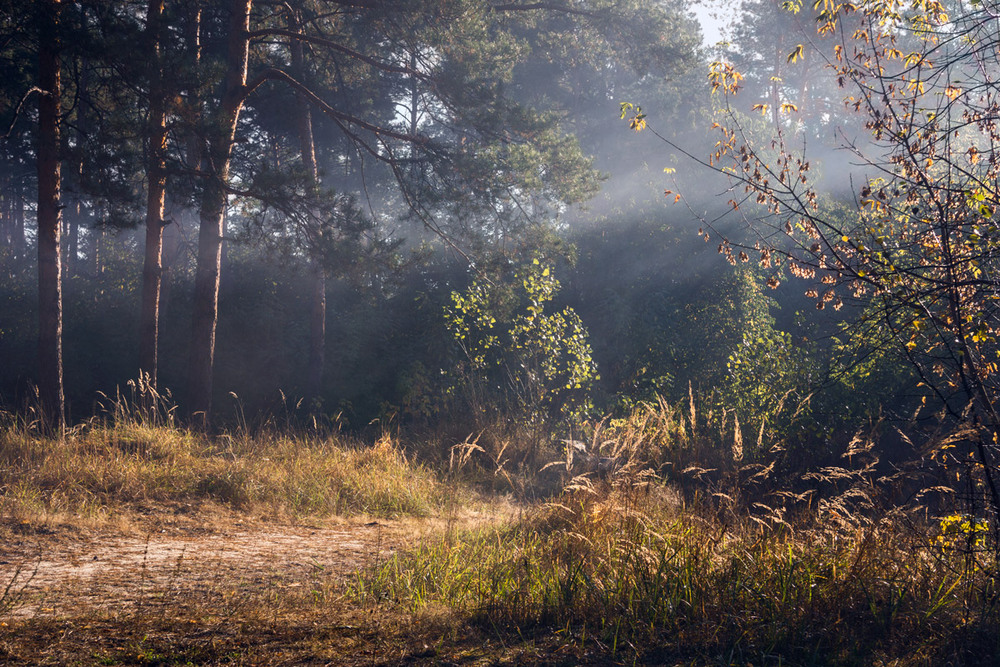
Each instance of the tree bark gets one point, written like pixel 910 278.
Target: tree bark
pixel 50 371
pixel 17 202
pixel 317 315
pixel 221 135
pixel 6 206
pixel 194 144
pixel 152 268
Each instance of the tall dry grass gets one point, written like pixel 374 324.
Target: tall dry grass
pixel 673 538
pixel 136 453
pixel 669 545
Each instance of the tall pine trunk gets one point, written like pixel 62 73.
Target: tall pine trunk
pixel 73 185
pixel 18 243
pixel 193 142
pixel 50 371
pixel 317 269
pixel 6 202
pixel 221 134
pixel 156 135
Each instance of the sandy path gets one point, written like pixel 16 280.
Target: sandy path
pixel 53 575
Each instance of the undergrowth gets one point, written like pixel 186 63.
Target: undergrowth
pixel 673 540
pixel 637 576
pixel 669 546
pixel 138 454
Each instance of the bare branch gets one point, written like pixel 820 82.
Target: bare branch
pixel 534 6
pixel 321 41
pixel 274 74
pixel 20 105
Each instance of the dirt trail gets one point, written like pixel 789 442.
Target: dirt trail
pixel 56 574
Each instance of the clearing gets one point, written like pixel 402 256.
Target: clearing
pixel 205 585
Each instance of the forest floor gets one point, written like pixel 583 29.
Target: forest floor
pixel 202 584
pixel 133 544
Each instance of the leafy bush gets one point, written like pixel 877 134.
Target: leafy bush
pixel 519 358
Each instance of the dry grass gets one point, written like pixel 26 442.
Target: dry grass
pixel 668 544
pixel 97 472
pixel 111 481
pixel 677 587
pixel 718 566
pixel 300 632
pixel 295 617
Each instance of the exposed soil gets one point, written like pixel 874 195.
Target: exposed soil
pixel 55 573
pixel 222 588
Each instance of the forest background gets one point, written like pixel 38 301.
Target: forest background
pixel 395 230
pixel 449 217
pixel 719 320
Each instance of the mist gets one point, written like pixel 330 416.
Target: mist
pixel 499 332
pixel 388 234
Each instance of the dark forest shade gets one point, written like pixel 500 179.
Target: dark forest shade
pixel 50 375
pixel 152 270
pixel 323 170
pixel 317 315
pixel 213 209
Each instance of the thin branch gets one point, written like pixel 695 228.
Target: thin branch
pixel 20 105
pixel 551 6
pixel 312 39
pixel 274 74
